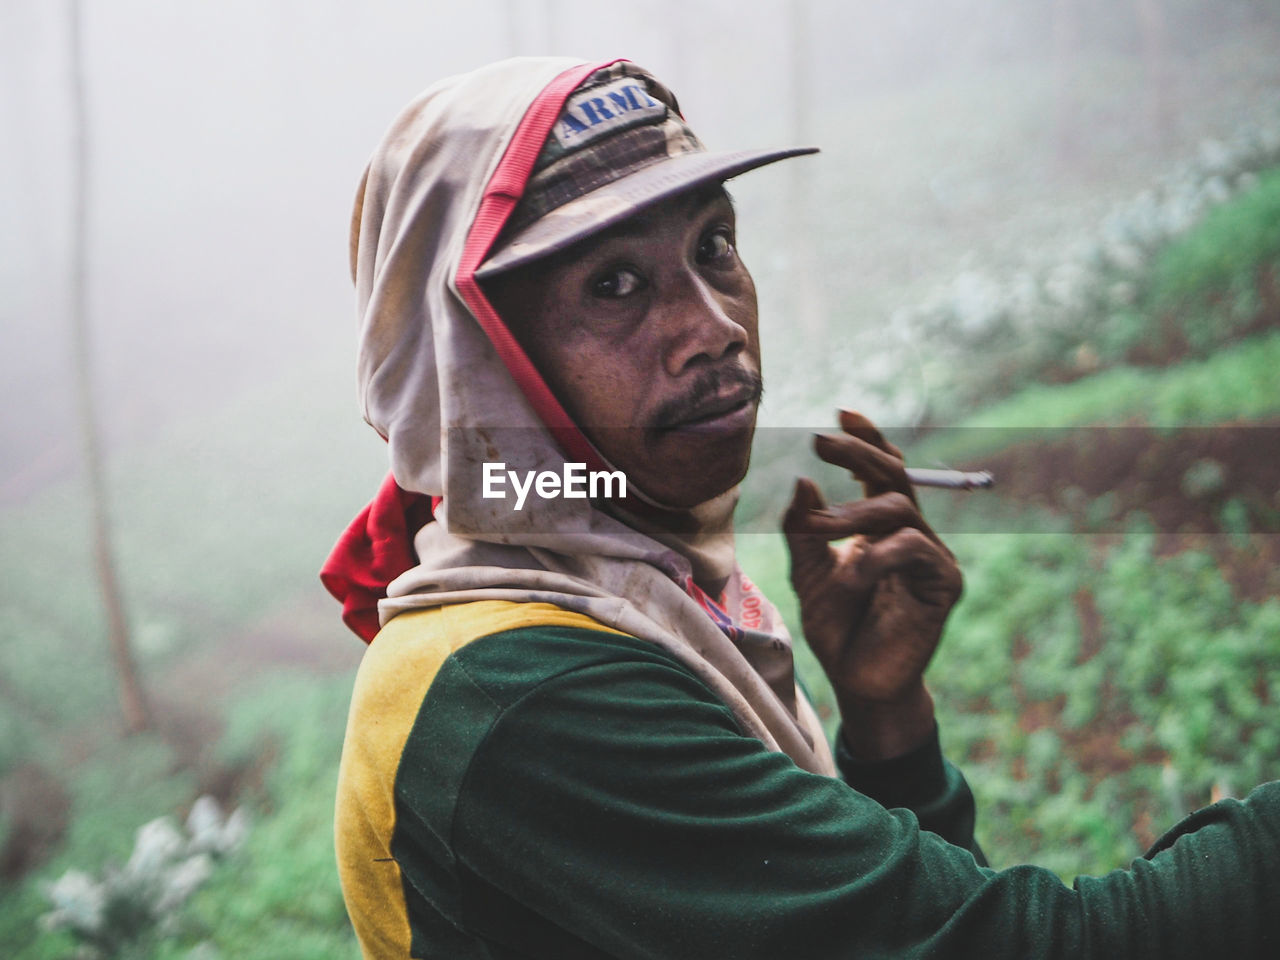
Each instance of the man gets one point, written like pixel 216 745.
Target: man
pixel 577 733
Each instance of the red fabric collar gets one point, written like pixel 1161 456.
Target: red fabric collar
pixel 375 549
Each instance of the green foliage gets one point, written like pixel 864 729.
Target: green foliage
pixel 127 909
pixel 49 615
pixel 1216 262
pixel 1092 691
pixel 1235 383
pixel 280 897
pixel 1182 269
pixel 122 783
pixel 123 779
pixel 1156 707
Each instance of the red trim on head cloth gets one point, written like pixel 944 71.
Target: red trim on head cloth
pixel 500 198
pixel 378 544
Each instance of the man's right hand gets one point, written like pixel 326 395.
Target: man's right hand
pixel 873 607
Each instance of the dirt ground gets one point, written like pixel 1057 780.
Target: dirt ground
pixel 1209 488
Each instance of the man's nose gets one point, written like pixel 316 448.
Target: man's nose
pixel 697 323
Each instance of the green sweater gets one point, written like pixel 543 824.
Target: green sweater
pixel 558 790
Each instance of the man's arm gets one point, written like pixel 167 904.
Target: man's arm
pixel 620 803
pixel 921 781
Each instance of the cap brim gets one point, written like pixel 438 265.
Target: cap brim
pixel 578 219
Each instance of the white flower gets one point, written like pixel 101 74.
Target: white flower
pixel 78 903
pixel 1216 190
pixel 182 880
pixel 1122 293
pixel 165 868
pixel 235 831
pixel 1246 181
pixel 156 844
pixel 1215 157
pixel 1068 285
pixel 976 301
pixel 205 823
pixel 1125 256
pixel 1024 300
pixel 1181 215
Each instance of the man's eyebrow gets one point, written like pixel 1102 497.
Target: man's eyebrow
pixel 642 221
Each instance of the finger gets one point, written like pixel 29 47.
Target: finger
pixel 805 499
pixel 928 569
pixel 880 471
pixel 857 425
pixel 873 518
pixel 807 549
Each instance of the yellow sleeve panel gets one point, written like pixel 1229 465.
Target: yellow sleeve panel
pixel 391 684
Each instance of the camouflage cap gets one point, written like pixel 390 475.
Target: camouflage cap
pixel 618 146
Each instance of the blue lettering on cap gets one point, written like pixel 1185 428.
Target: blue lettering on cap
pixel 626 99
pixel 572 125
pixel 597 112
pixel 589 107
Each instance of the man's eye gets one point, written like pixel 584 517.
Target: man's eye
pixel 617 283
pixel 715 247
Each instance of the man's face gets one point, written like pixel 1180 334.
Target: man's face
pixel 646 333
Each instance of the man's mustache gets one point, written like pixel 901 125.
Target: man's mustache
pixel 710 383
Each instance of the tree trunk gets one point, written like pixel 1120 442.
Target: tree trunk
pixel 133 701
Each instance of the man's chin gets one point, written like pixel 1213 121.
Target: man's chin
pixel 693 468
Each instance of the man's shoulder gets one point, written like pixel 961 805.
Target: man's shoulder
pixel 502 648
pixel 460 623
pixel 435 683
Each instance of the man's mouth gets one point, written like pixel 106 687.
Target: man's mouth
pixel 720 402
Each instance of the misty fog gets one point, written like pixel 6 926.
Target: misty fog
pixel 226 140
pixel 966 144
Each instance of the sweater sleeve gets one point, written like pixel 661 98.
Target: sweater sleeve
pixel 621 802
pixel 921 781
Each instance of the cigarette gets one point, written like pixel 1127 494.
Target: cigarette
pixel 951 479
